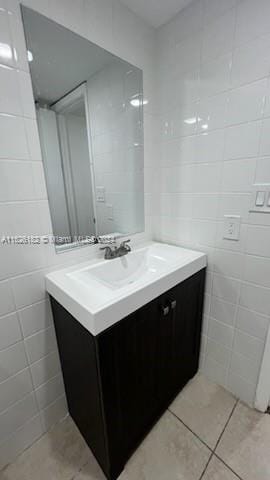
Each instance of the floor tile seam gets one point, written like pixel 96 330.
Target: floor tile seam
pixel 79 471
pixel 228 466
pixel 191 431
pixel 212 449
pixel 225 426
pixel 206 466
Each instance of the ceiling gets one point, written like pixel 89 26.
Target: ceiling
pixel 156 12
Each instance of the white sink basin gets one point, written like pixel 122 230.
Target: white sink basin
pixel 139 266
pixel 99 293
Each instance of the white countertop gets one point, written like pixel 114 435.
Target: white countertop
pixel 99 293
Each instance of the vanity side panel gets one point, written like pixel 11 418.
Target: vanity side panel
pixel 77 348
pixel 108 347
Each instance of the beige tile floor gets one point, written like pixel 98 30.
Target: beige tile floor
pixel 206 434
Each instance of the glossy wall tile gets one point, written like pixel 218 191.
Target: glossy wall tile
pixel 214 144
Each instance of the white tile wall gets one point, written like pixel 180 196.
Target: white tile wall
pixel 205 86
pixel 12 360
pixel 15 388
pixel 16 416
pixel 223 49
pixel 242 141
pixel 32 394
pixel 10 331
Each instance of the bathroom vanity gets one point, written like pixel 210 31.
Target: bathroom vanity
pixel 128 333
pixel 128 328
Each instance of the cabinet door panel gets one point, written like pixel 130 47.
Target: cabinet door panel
pixel 187 316
pixel 138 369
pixel 165 357
pixel 135 355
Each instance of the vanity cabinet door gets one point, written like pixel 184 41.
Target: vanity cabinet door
pixel 179 336
pixel 165 332
pixel 186 300
pixel 132 369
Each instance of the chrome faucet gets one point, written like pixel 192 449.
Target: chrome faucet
pixel 115 252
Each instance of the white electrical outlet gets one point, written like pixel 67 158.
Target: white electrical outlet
pixel 231 229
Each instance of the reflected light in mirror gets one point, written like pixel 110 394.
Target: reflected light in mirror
pixel 136 102
pixel 192 120
pixel 5 51
pixel 30 57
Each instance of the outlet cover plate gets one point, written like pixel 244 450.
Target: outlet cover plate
pixel 231 229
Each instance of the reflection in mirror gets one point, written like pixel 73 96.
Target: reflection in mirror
pixel 64 143
pixel 89 106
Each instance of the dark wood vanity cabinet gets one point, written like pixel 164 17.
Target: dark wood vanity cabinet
pixel 120 382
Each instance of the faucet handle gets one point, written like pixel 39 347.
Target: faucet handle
pixel 107 247
pixel 123 245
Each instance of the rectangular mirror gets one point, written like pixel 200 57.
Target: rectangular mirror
pixel 89 106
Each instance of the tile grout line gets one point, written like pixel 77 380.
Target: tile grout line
pixel 229 468
pixel 218 441
pixel 206 466
pixel 213 454
pixel 191 431
pixel 226 424
pixel 211 451
pixel 79 471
